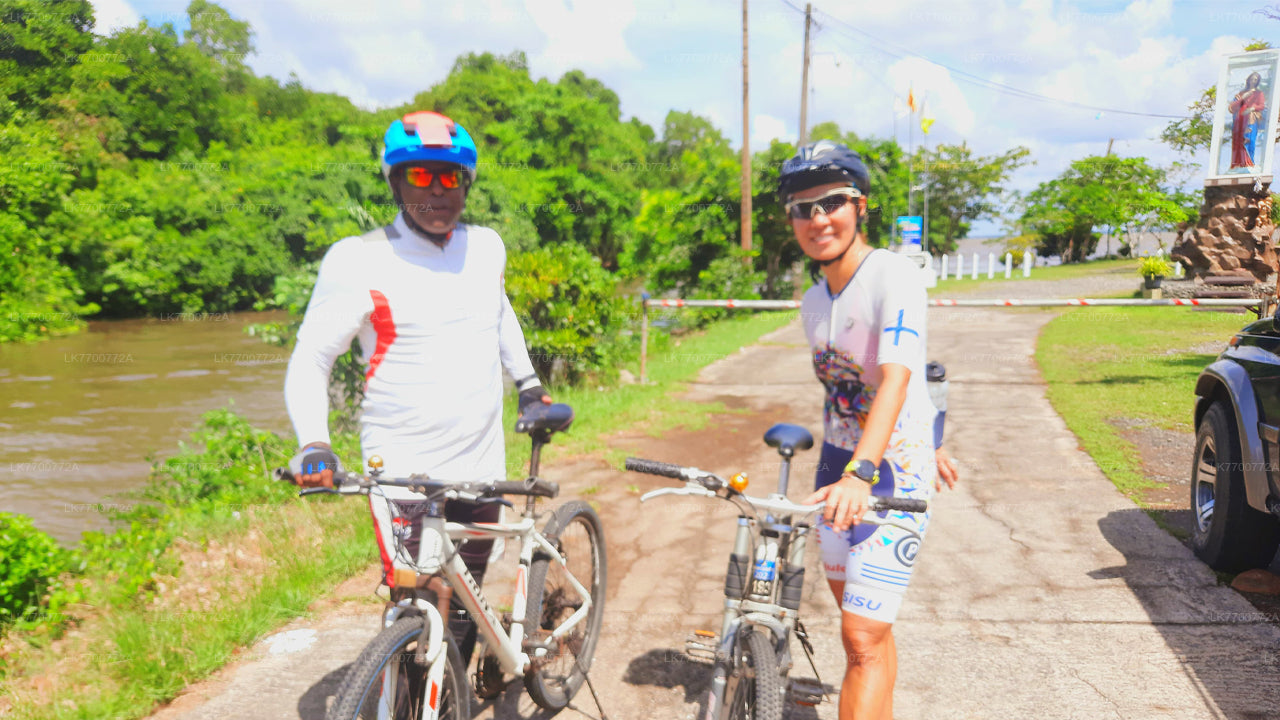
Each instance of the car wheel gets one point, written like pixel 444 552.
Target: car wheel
pixel 1225 532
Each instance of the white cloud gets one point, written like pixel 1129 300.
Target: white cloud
pixel 111 15
pixel 765 128
pixel 583 34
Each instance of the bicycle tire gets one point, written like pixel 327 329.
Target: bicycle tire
pixel 554 679
pixel 359 695
pixel 758 692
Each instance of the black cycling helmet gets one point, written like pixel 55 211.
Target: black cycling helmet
pixel 819 163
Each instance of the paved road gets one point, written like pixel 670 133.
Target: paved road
pixel 1040 592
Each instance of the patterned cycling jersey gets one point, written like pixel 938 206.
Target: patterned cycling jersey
pixel 877 319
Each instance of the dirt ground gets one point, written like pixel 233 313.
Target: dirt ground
pixel 1040 592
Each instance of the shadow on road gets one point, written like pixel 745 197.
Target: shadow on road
pixel 669 668
pixel 1228 654
pixel 314 702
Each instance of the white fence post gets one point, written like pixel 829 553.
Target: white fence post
pixel 991 266
pixel 1008 265
pixel 1026 264
pixel 959 266
pixel 975 266
pixel 943 274
pixel 1177 270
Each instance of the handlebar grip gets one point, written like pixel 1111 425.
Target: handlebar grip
pixel 283 473
pixel 654 467
pixel 911 505
pixel 539 488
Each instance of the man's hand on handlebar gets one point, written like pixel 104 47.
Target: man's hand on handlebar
pixel 846 501
pixel 314 465
pixel 531 397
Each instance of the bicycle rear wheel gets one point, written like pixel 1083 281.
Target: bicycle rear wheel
pixel 554 678
pixel 757 694
pixel 385 682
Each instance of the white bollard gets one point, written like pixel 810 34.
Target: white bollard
pixel 943 274
pixel 1026 264
pixel 975 266
pixel 991 266
pixel 1008 265
pixel 959 266
pixel 1177 270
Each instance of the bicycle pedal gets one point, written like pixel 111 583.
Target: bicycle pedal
pixel 701 647
pixel 805 691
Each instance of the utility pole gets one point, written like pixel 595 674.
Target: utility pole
pixel 746 143
pixel 804 77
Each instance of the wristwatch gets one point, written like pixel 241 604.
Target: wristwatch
pixel 864 470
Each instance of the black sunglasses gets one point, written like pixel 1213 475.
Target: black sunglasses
pixel 832 201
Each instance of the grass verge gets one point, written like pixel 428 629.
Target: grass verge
pixel 1113 365
pixel 652 406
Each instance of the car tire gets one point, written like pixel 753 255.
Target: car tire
pixel 1226 533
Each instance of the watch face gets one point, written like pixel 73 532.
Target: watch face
pixel 865 470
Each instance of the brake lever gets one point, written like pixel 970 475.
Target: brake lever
pixel 492 500
pixel 691 488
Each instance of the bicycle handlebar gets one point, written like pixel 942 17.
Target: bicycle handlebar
pixel 355 484
pixel 773 503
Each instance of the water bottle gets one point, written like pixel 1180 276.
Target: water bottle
pixel 766 567
pixel 936 374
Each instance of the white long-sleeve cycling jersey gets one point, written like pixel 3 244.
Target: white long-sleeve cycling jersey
pixel 435 329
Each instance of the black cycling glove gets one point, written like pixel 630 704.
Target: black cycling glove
pixel 529 397
pixel 312 460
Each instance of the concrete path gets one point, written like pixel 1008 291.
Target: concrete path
pixel 1040 592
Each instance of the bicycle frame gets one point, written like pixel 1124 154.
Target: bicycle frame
pixel 438 555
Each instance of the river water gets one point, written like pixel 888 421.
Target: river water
pixel 79 415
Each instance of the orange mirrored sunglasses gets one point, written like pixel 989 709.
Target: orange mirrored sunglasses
pixel 422 177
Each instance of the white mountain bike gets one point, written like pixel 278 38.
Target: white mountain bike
pixel 412 670
pixel 751 657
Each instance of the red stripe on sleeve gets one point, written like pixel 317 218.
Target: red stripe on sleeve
pixel 384 326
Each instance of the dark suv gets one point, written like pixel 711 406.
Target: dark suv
pixel 1235 476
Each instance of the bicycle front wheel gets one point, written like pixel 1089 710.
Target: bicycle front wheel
pixel 757 692
pixel 555 677
pixel 385 681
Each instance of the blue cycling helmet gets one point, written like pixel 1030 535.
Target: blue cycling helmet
pixel 820 163
pixel 426 135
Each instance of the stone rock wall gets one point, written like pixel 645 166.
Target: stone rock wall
pixel 1234 235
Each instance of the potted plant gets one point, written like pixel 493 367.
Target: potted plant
pixel 1153 269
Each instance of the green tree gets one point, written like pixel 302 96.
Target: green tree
pixel 40 40
pixel 1118 194
pixel 963 188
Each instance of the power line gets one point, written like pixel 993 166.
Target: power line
pixel 876 44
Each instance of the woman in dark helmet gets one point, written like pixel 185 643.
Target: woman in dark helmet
pixel 865 321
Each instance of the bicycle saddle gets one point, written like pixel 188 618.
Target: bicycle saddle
pixel 788 438
pixel 545 419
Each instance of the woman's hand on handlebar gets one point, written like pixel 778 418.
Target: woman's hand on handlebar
pixel 846 501
pixel 314 465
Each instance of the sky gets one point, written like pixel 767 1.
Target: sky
pixel 1129 62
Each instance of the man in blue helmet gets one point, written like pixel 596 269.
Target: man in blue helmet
pixel 425 297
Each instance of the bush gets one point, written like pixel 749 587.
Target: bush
pixel 29 561
pixel 569 309
pixel 1154 266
